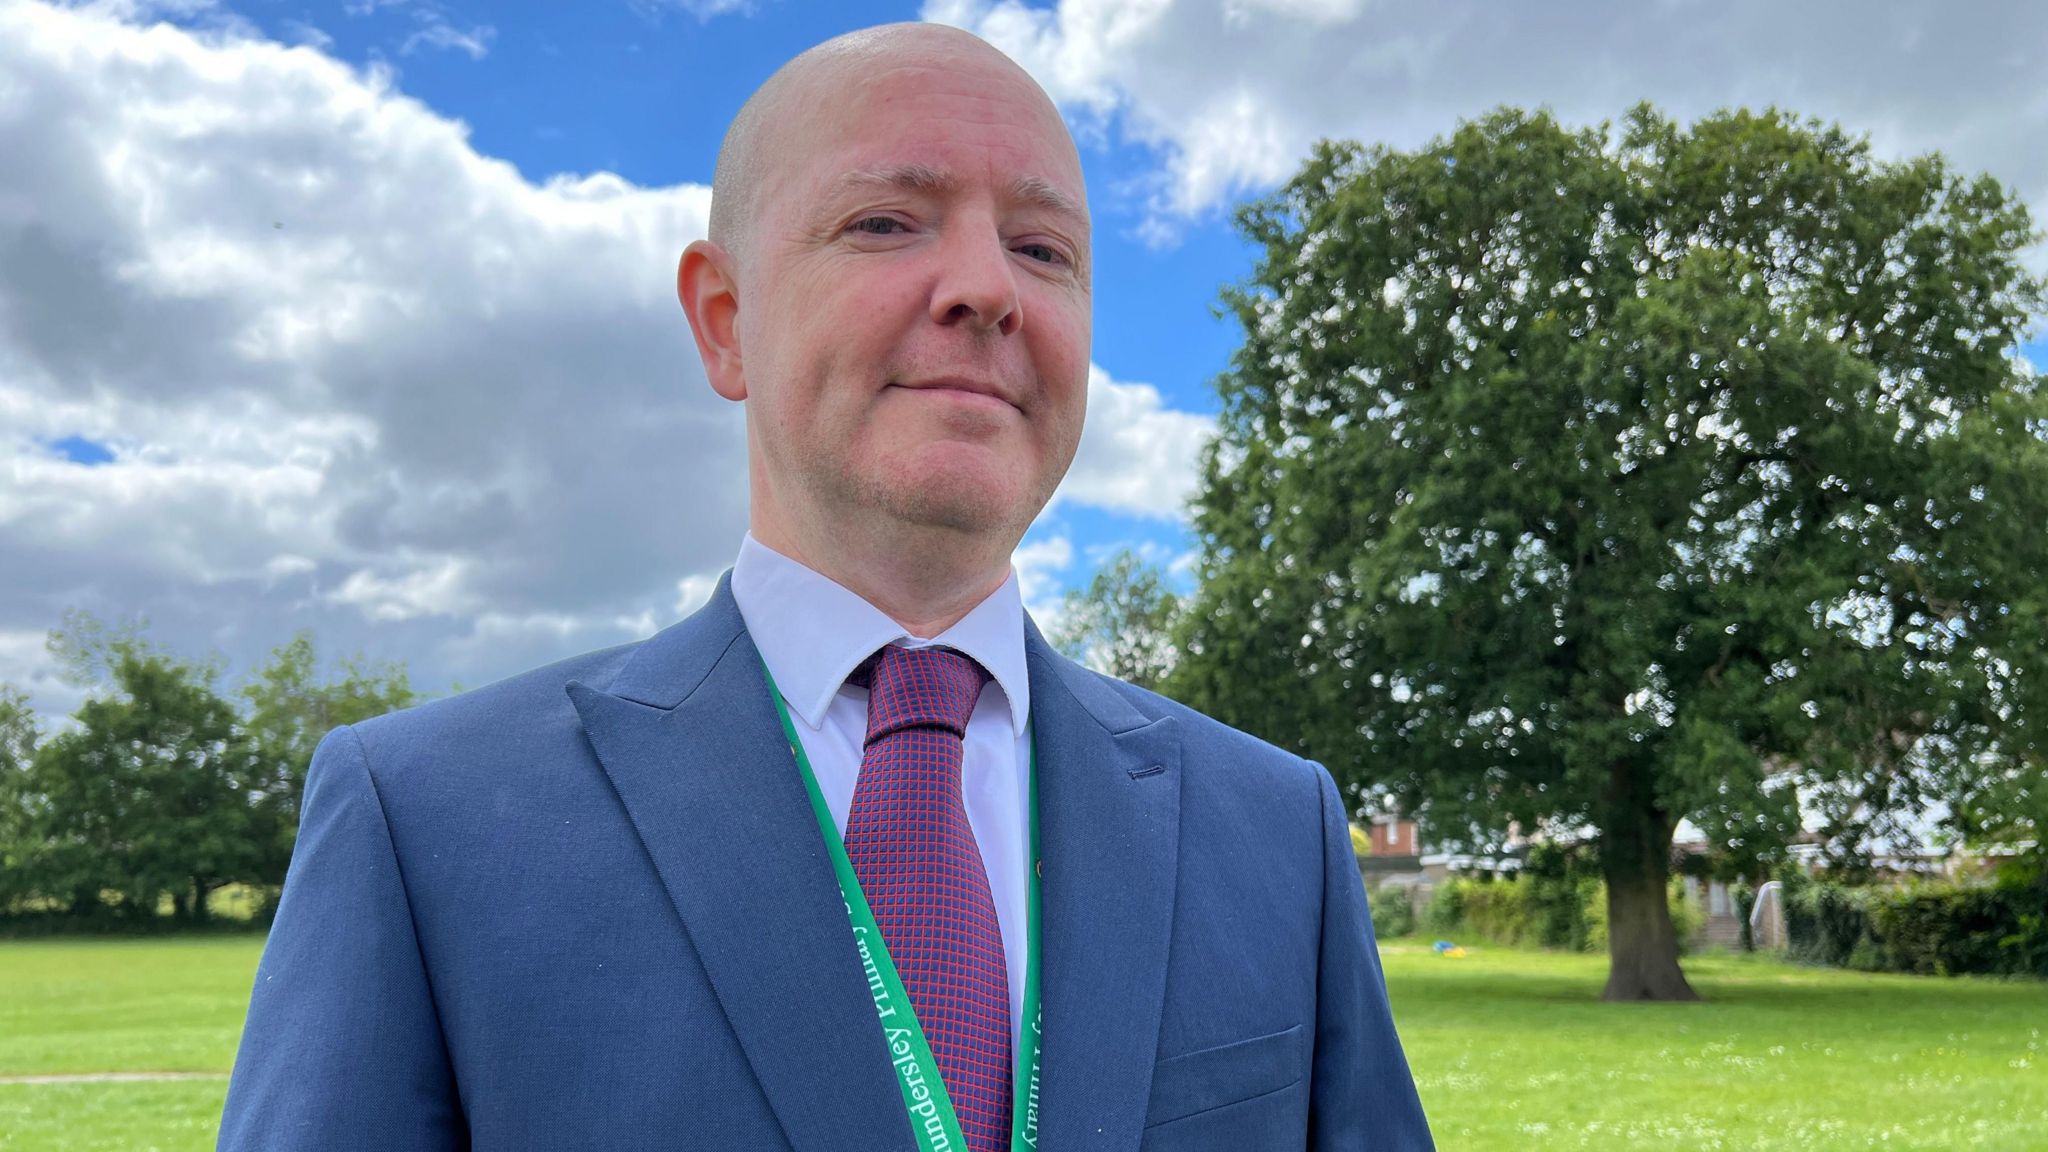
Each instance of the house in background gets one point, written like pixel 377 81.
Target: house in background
pixel 1394 837
pixel 1396 851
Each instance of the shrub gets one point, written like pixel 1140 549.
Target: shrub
pixel 1561 881
pixel 1688 916
pixel 1393 912
pixel 1525 911
pixel 1825 922
pixel 1805 938
pixel 1744 897
pixel 1446 911
pixel 1932 929
pixel 1867 956
pixel 1843 917
pixel 1942 929
pixel 1500 911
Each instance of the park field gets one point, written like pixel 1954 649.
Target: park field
pixel 1511 1050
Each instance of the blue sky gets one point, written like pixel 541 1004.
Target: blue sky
pixel 374 335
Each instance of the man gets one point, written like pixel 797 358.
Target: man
pixel 850 858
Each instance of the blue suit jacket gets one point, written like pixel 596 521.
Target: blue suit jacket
pixel 589 908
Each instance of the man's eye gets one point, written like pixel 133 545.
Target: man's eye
pixel 876 225
pixel 1044 253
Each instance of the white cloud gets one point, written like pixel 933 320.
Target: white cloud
pixel 26 664
pixel 1231 93
pixel 307 34
pixel 703 10
pixel 432 27
pixel 433 588
pixel 1137 456
pixel 693 592
pixel 353 375
pixel 438 33
pixel 1036 562
pixel 1320 13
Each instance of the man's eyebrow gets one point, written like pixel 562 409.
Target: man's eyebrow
pixel 921 178
pixel 1041 193
pixel 926 180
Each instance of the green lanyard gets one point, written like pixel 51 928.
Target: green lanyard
pixel 932 1119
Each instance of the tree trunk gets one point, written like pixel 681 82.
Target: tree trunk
pixel 1642 945
pixel 199 905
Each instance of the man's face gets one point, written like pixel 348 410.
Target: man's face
pixel 911 254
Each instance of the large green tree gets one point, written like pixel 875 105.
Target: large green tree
pixel 1584 480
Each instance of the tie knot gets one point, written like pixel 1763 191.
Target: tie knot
pixel 911 687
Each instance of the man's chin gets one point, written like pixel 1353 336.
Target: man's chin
pixel 970 503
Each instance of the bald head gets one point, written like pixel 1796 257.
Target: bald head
pixel 765 132
pixel 896 284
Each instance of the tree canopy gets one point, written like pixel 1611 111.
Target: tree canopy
pixel 1122 623
pixel 1571 480
pixel 289 708
pixel 145 795
pixel 161 786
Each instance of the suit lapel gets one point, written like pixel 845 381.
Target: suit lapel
pixel 693 747
pixel 1109 806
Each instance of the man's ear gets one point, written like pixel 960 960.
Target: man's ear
pixel 707 285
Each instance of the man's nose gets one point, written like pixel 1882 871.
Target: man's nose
pixel 976 285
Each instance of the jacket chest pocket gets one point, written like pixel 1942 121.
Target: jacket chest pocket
pixel 1210 1078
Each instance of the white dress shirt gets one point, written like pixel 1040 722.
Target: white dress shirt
pixel 813 631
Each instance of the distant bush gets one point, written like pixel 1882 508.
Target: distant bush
pixel 1563 884
pixel 1937 929
pixel 1393 912
pixel 1744 895
pixel 1535 910
pixel 1499 910
pixel 1825 922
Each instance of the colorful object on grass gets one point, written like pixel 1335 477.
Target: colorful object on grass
pixel 1446 948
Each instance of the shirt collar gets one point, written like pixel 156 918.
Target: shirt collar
pixel 812 631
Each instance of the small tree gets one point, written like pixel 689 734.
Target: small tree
pixel 148 794
pixel 19 737
pixel 1567 482
pixel 1122 623
pixel 289 711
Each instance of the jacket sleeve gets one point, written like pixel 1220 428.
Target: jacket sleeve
pixel 1361 1095
pixel 342 1050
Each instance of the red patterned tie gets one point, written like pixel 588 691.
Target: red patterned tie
pixel 908 839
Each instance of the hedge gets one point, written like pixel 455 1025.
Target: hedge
pixel 1529 911
pixel 1933 929
pixel 1393 912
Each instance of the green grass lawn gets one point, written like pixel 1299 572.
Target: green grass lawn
pixel 71 1007
pixel 1512 1050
